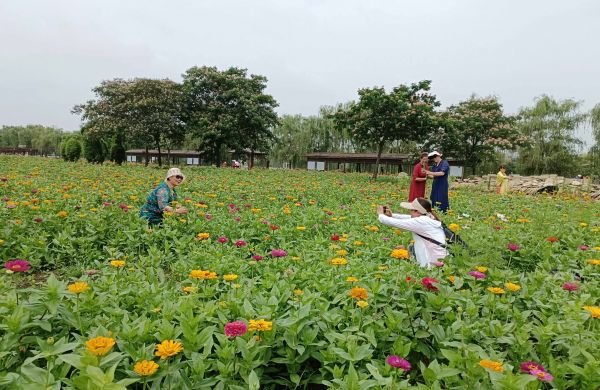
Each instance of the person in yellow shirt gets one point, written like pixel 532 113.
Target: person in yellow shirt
pixel 501 181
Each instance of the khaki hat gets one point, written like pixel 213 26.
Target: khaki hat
pixel 414 205
pixel 434 153
pixel 175 172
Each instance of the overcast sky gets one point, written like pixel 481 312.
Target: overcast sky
pixel 313 52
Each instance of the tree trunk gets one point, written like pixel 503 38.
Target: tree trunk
pixel 146 160
pixel 159 157
pixel 379 151
pixel 251 164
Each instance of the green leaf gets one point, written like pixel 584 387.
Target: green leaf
pixel 253 382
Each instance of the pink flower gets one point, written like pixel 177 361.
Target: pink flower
pixel 240 243
pixel 438 263
pixel 257 257
pixel 570 286
pixel 235 328
pixel 397 362
pixel 526 367
pixel 513 247
pixel 428 283
pixel 222 239
pixel 584 247
pixel 477 274
pixel 542 375
pixel 278 253
pixel 17 265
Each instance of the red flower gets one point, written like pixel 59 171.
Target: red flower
pixel 552 239
pixel 273 227
pixel 513 247
pixel 222 239
pixel 240 243
pixel 428 283
pixel 17 265
pixel 235 328
pixel 335 237
pixel 570 286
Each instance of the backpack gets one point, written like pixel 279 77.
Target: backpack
pixel 451 238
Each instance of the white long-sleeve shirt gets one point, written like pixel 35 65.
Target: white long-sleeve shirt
pixel 426 252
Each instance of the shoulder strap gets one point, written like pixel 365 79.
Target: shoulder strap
pixel 432 240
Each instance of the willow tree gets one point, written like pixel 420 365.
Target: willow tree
pixel 594 153
pixel 550 126
pixel 379 118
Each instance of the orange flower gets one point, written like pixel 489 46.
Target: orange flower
pixel 168 348
pixel 99 346
pixel 359 293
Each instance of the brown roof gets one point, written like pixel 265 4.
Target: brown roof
pixel 154 152
pixel 357 157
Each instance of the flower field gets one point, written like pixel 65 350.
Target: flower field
pixel 285 279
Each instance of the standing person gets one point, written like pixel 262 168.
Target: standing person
pixel 160 199
pixel 439 189
pixel 501 181
pixel 419 178
pixel 428 234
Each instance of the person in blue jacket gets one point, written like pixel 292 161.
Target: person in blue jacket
pixel 439 171
pixel 160 199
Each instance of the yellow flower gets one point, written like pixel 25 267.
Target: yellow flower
pixel 168 348
pixel 62 214
pixel 400 254
pixel 595 310
pixel 203 236
pixel 591 261
pixel 358 243
pixel 492 365
pixel 583 224
pixel 351 279
pixel 190 289
pixel 2 242
pixel 383 267
pixel 512 286
pixel 359 293
pixel 362 304
pixel 99 346
pixel 451 278
pixel 298 292
pixel 260 325
pixel 339 261
pixel 300 227
pixel 145 367
pixel 522 220
pixel 202 274
pixel 117 263
pixel 78 287
pixel 230 277
pixel 481 269
pixel 342 252
pixel 454 227
pixel 496 290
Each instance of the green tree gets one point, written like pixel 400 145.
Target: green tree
pixel 379 118
pixel 550 126
pixel 594 152
pixel 475 130
pixel 95 149
pixel 143 111
pixel 72 149
pixel 228 110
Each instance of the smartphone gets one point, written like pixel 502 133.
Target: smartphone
pixel 385 209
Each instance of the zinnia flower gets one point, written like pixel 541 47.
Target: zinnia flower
pixel 570 286
pixel 542 375
pixel 359 293
pixel 240 243
pixel 278 253
pixel 552 239
pixel 203 236
pixel 513 247
pixel 594 261
pixel 428 283
pixel 168 348
pixel 257 257
pixel 17 265
pixel 526 367
pixel 190 289
pixel 260 325
pixel 400 254
pixel 362 304
pixel 338 261
pixel 235 328
pixel 230 277
pixel 298 292
pixel 496 290
pixel 202 274
pixel 477 274
pixel 351 279
pixel 595 310
pixel 454 227
pixel 78 287
pixel 222 239
pixel 451 278
pixel 99 346
pixel 512 286
pixel 335 237
pixel 398 362
pixel 492 365
pixel 145 367
pixel 481 269
pixel 117 263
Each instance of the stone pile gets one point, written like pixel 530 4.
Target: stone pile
pixel 533 184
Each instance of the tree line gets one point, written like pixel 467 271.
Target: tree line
pixel 215 111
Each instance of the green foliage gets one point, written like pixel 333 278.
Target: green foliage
pixel 550 126
pixel 378 118
pixel 95 149
pixel 45 139
pixel 228 109
pixel 71 150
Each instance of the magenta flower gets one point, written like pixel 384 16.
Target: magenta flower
pixel 513 247
pixel 526 367
pixel 257 257
pixel 278 253
pixel 584 247
pixel 17 265
pixel 240 243
pixel 438 263
pixel 477 274
pixel 235 329
pixel 428 283
pixel 397 362
pixel 222 239
pixel 542 375
pixel 570 286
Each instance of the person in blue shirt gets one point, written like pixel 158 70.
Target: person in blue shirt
pixel 160 199
pixel 439 189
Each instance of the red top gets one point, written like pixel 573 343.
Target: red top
pixel 417 188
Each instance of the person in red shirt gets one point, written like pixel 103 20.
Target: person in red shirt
pixel 419 178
